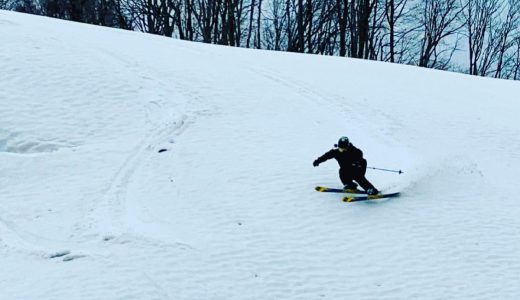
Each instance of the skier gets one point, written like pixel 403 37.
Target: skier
pixel 352 165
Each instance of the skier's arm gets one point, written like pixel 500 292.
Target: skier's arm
pixel 323 158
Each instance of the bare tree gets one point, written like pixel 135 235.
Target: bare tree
pixel 251 17
pixel 505 41
pixel 26 6
pixel 275 25
pixel 300 29
pixel 206 16
pixel 153 16
pixel 258 41
pixel 516 66
pixel 394 12
pixel 359 23
pixel 491 27
pixel 323 31
pixel 342 8
pixel 228 23
pixel 440 19
pixel 479 16
pixel 376 34
pixel 188 20
pixel 6 4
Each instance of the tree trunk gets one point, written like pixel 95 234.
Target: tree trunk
pixel 301 33
pixel 391 25
pixel 342 7
pixel 250 23
pixel 258 26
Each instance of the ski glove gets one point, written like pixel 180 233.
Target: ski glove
pixel 316 163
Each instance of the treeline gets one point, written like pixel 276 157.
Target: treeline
pixel 479 37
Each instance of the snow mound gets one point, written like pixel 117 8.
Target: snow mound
pixel 23 143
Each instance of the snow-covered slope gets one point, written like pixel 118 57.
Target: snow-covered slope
pixel 89 208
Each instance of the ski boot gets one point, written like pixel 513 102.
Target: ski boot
pixel 350 186
pixel 372 191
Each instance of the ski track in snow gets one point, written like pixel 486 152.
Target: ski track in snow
pixel 229 210
pixel 110 205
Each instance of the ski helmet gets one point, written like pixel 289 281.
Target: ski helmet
pixel 343 142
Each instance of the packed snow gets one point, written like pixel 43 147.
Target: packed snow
pixel 91 208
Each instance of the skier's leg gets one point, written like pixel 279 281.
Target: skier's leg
pixel 362 180
pixel 364 183
pixel 346 178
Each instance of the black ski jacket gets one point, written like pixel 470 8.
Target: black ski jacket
pixel 352 158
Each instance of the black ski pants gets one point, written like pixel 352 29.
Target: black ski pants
pixel 356 172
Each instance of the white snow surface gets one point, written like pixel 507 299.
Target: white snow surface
pixel 89 208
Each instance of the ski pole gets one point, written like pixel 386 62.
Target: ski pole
pixel 386 170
